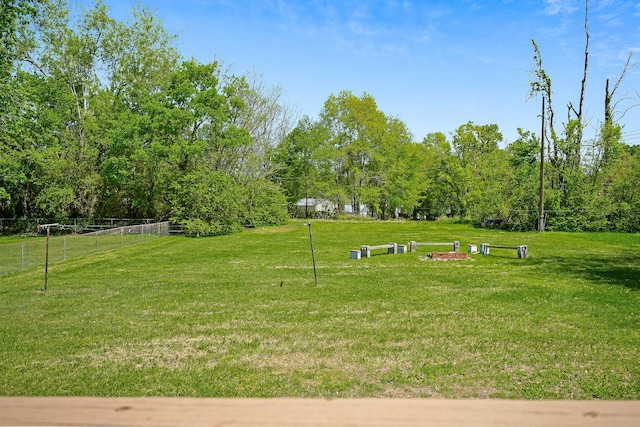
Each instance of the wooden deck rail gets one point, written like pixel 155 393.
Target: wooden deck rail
pixel 160 412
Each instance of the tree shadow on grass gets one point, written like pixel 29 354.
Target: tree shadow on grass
pixel 611 270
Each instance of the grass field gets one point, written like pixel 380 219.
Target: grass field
pixel 240 316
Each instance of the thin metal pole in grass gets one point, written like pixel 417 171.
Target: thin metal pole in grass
pixel 46 252
pixel 313 255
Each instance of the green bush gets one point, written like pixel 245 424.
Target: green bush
pixel 264 204
pixel 207 203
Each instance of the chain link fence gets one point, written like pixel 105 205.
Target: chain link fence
pixel 12 226
pixel 31 253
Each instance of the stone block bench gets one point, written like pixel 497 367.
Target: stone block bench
pixel 365 250
pixel 523 251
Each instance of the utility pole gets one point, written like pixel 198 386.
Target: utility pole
pixel 541 218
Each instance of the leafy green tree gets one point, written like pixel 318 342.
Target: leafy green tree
pixel 296 162
pixel 484 175
pixel 36 167
pixel 14 17
pixel 16 106
pixel 355 127
pixel 206 149
pixel 524 189
pixel 622 190
pixel 264 204
pixel 74 62
pixel 442 193
pixel 401 179
pixel 608 208
pixel 200 117
pixel 371 155
pixel 110 123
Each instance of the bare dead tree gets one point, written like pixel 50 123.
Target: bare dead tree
pixel 542 84
pixel 604 147
pixel 579 112
pixel 268 119
pixel 610 109
pixel 586 58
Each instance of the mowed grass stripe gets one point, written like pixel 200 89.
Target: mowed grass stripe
pixel 240 316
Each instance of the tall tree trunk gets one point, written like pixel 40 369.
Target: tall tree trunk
pixel 577 149
pixel 584 78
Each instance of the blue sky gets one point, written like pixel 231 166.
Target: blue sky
pixel 433 64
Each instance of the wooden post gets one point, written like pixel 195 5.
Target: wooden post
pixel 46 253
pixel 313 255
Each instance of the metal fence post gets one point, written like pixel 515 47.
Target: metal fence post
pixel 46 261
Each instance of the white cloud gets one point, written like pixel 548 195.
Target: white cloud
pixel 611 19
pixel 421 36
pixel 362 29
pixel 554 7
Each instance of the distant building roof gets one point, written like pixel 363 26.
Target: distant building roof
pixel 319 205
pixel 364 210
pixel 310 201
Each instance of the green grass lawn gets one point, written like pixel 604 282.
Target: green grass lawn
pixel 240 316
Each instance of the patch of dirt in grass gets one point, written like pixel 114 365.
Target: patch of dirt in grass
pixel 256 352
pixel 290 361
pixel 166 353
pixel 335 358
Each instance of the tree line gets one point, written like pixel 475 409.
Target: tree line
pixel 104 118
